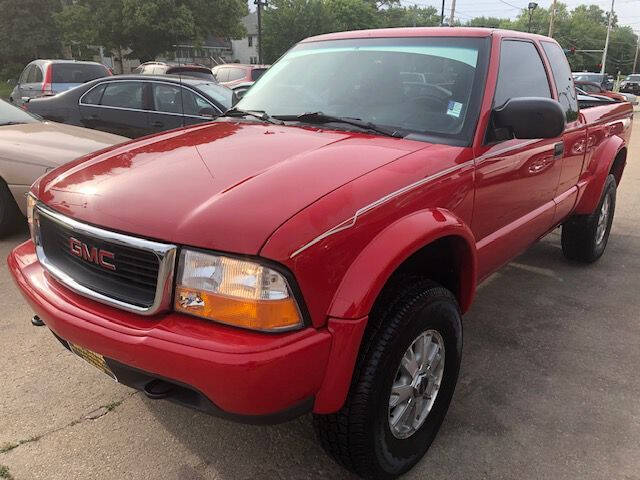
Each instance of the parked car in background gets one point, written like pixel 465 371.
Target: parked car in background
pixel 41 78
pixel 240 89
pixel 601 79
pixel 28 148
pixel 587 100
pixel 136 105
pixel 166 68
pixel 231 74
pixel 596 89
pixel 631 84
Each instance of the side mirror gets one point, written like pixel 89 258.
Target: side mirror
pixel 529 117
pixel 207 112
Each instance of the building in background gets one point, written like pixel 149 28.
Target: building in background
pixel 214 51
pixel 245 50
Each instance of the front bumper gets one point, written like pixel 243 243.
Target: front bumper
pixel 249 376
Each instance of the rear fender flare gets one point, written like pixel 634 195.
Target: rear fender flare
pixel 598 169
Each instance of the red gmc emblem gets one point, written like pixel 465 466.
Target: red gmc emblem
pixel 95 255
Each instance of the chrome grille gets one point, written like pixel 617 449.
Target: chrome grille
pixel 135 274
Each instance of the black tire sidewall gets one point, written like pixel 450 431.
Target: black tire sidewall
pixel 609 191
pixel 394 455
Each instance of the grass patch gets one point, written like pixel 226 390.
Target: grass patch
pixel 6 447
pixel 5 89
pixel 4 473
pixel 113 405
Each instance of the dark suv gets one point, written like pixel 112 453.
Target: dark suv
pixel 164 68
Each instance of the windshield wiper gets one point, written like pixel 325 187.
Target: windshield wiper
pixel 319 117
pixel 259 114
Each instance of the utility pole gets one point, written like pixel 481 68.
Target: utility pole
pixel 260 4
pixel 552 18
pixel 442 14
pixel 531 7
pixel 635 60
pixel 606 42
pixel 453 11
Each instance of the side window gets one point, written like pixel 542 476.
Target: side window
pixel 193 104
pixel 222 75
pixel 521 73
pixel 93 97
pixel 236 74
pixel 138 69
pixel 37 75
pixel 33 74
pixel 123 94
pixel 166 98
pixel 25 74
pixel 564 80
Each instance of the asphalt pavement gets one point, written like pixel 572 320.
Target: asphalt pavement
pixel 549 388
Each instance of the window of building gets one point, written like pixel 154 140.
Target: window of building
pixel 250 40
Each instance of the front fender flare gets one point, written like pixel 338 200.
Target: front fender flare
pixel 371 269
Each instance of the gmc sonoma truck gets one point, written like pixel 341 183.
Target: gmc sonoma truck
pixel 313 250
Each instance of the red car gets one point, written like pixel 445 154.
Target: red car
pixel 315 249
pixel 595 89
pixel 232 74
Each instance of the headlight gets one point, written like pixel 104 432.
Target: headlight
pixel 31 204
pixel 235 292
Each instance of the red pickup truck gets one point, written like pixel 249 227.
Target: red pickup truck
pixel 314 249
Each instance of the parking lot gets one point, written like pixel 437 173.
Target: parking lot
pixel 548 389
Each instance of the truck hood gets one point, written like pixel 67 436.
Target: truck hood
pixel 51 144
pixel 224 186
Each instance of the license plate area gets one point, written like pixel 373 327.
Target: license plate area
pixel 93 358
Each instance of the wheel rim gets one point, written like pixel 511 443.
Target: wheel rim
pixel 603 220
pixel 416 384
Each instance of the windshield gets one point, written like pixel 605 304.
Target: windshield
pixel 189 72
pixel 429 86
pixel 77 72
pixel 10 115
pixel 221 94
pixel 633 78
pixel 594 77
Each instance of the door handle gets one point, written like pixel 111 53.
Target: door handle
pixel 157 123
pixel 558 149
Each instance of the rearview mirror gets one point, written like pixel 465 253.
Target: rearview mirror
pixel 529 117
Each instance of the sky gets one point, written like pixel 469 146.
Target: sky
pixel 628 11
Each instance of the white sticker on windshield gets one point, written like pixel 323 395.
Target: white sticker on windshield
pixel 454 109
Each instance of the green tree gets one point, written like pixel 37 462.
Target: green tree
pixel 148 27
pixel 27 33
pixel 487 22
pixel 286 22
pixel 396 16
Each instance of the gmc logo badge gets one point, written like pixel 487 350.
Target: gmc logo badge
pixel 95 255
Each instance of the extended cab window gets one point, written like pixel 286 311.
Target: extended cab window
pixel 521 73
pixel 563 79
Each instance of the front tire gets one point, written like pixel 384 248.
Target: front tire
pixel 584 237
pixel 400 391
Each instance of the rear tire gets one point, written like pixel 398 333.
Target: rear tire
pixel 369 435
pixel 585 237
pixel 9 212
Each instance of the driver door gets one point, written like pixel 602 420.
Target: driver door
pixel 516 180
